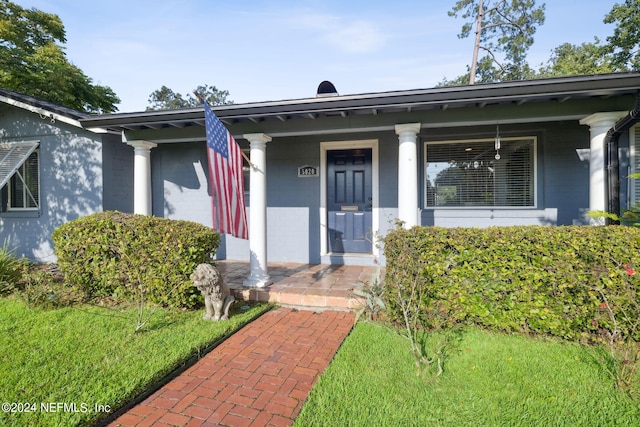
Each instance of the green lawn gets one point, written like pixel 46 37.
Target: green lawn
pixel 491 380
pixel 84 356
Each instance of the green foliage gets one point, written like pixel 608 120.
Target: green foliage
pixel 570 60
pixel 629 216
pixel 32 62
pixel 624 44
pixel 166 99
pixel 543 280
pixel 11 269
pixel 371 295
pixel 506 32
pixel 44 287
pixel 113 254
pixel 619 317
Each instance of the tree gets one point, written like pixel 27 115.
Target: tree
pixel 504 30
pixel 569 60
pixel 34 63
pixel 620 53
pixel 624 44
pixel 166 99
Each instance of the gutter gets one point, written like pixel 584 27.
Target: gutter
pixel 612 164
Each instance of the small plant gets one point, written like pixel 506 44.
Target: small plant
pixel 43 286
pixel 372 293
pixel 432 333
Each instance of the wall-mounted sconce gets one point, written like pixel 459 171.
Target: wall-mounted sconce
pixel 584 154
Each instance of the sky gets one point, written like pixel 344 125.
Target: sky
pixel 269 50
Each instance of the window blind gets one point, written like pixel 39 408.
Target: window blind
pixel 478 174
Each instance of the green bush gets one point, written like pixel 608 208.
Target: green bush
pixel 113 254
pixel 11 269
pixel 545 280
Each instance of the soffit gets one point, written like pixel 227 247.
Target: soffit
pixel 557 90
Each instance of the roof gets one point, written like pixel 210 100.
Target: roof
pixel 558 89
pixel 42 107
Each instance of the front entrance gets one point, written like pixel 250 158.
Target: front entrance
pixel 349 200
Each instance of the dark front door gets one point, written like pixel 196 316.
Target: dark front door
pixel 349 200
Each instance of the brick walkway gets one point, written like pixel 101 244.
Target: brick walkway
pixel 260 376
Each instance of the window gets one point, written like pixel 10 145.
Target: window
pixel 19 175
pixel 476 174
pixel 24 185
pixel 634 184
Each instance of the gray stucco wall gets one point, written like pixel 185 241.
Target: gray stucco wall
pixel 70 181
pixel 117 161
pixel 180 189
pixel 562 185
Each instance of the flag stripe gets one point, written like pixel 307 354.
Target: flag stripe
pixel 226 176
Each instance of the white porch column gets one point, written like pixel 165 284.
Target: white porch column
pixel 599 124
pixel 258 276
pixel 408 173
pixel 142 176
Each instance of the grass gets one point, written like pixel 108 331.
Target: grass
pixel 490 380
pixel 90 355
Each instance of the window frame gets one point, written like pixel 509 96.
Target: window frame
pixel 10 207
pixel 532 138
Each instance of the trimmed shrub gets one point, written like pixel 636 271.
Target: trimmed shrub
pixel 11 269
pixel 545 280
pixel 114 254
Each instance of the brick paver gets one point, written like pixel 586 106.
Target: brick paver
pixel 301 285
pixel 260 376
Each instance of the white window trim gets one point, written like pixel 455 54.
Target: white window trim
pixel 489 140
pixel 633 162
pixel 13 176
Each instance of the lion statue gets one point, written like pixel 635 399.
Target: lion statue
pixel 217 297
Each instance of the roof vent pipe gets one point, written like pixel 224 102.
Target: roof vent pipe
pixel 326 88
pixel 612 158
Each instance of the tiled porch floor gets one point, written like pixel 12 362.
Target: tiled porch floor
pixel 316 286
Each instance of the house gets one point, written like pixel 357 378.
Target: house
pixel 331 172
pixel 52 170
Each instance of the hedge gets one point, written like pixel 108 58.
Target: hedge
pixel 539 279
pixel 124 256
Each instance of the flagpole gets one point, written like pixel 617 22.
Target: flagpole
pixel 244 155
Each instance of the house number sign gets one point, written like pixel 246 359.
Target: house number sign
pixel 307 171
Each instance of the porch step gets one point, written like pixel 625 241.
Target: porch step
pixel 306 286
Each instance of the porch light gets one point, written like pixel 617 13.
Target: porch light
pixel 497 142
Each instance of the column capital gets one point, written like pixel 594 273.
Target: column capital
pixel 606 119
pixel 408 127
pixel 257 137
pixel 139 143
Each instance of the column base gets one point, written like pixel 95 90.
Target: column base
pixel 257 281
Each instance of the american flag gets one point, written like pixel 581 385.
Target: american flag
pixel 227 181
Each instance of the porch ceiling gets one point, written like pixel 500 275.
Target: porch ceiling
pixel 558 90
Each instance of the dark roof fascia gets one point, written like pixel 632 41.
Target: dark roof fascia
pixel 514 91
pixel 44 105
